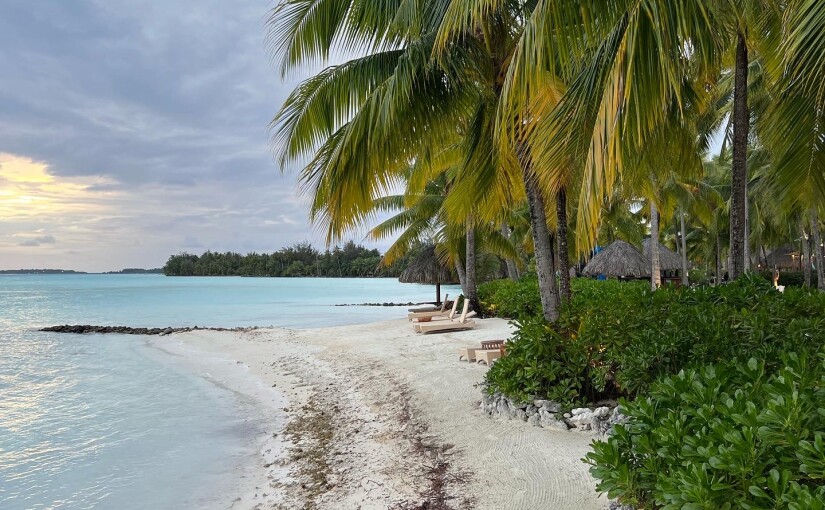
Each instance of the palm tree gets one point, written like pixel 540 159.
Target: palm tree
pixel 655 267
pixel 819 252
pixel 497 29
pixel 631 60
pixel 420 217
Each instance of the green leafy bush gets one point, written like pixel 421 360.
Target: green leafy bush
pixel 617 338
pixel 723 437
pixel 512 299
pixel 540 361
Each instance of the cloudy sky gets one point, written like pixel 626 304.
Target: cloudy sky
pixel 134 129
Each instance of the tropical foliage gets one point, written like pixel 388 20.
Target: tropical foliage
pixel 616 339
pixel 533 119
pixel 732 435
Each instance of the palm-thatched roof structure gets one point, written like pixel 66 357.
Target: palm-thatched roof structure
pixel 668 260
pixel 426 268
pixel 785 257
pixel 620 260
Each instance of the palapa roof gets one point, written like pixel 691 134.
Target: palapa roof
pixel 668 260
pixel 784 257
pixel 427 268
pixel 619 259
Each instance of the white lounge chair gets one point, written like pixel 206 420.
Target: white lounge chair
pixel 451 325
pixel 431 308
pixel 437 315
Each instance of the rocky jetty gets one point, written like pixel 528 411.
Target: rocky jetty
pixel 383 304
pixel 82 329
pixel 548 414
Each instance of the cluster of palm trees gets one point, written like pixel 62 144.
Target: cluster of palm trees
pixel 498 126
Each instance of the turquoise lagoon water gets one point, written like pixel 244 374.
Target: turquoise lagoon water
pixel 93 421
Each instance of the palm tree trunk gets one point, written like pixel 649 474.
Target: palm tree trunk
pixel 462 275
pixel 512 272
pixel 561 233
pixel 543 246
pixel 471 267
pixel 818 251
pixel 739 170
pixel 747 243
pixel 806 253
pixel 718 260
pixel 685 279
pixel 655 271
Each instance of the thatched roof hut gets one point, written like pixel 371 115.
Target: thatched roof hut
pixel 668 260
pixel 619 259
pixel 426 268
pixel 785 257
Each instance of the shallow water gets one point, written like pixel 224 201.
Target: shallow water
pixel 94 421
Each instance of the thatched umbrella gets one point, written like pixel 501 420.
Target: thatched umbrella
pixel 619 259
pixel 427 268
pixel 668 260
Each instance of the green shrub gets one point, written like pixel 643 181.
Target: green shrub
pixel 540 361
pixel 617 338
pixel 512 299
pixel 723 437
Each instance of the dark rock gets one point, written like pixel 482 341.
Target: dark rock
pixel 81 329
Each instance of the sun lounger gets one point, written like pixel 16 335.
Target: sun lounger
pixel 441 319
pixel 431 308
pixel 451 325
pixel 437 315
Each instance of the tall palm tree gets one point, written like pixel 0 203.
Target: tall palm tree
pixel 497 27
pixel 630 60
pixel 361 123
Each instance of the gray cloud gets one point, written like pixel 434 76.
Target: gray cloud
pixel 168 103
pixel 37 241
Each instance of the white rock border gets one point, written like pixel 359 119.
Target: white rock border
pixel 598 421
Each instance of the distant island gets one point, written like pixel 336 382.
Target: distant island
pixel 348 261
pixel 130 270
pixel 40 271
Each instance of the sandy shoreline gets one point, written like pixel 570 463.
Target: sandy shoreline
pixel 382 418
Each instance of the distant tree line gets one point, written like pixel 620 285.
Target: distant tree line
pixel 137 270
pixel 40 271
pixel 302 259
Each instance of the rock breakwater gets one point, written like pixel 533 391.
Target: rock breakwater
pixel 81 329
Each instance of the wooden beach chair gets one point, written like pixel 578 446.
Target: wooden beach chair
pixel 459 324
pixel 431 308
pixel 437 315
pixel 488 356
pixel 436 318
pixel 469 353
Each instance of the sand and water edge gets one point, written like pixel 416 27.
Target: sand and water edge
pixel 374 416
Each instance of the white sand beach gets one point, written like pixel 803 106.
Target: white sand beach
pixel 382 418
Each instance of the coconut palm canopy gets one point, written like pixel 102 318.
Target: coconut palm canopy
pixel 619 259
pixel 668 260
